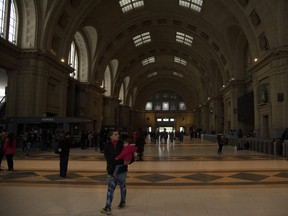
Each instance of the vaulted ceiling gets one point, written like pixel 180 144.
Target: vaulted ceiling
pixel 218 29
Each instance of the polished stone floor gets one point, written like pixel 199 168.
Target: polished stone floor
pixel 185 179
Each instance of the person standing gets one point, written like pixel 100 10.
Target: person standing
pixel 284 135
pixel 221 140
pixel 2 140
pixel 112 149
pixel 240 135
pixel 9 150
pixel 64 150
pixel 140 143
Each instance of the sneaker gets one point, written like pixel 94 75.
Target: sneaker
pixel 106 211
pixel 121 205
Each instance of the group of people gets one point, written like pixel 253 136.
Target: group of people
pixel 7 149
pixel 120 150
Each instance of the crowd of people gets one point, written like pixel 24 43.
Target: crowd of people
pixel 119 148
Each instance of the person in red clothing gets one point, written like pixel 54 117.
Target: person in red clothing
pixel 127 154
pixel 3 135
pixel 9 150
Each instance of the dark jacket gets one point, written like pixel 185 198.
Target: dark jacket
pixel 110 153
pixel 64 144
pixel 140 142
pixel 221 139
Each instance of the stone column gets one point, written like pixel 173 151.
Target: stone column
pixel 231 94
pixel 110 111
pixel 205 117
pixel 124 116
pixel 92 105
pixel 38 87
pixel 216 111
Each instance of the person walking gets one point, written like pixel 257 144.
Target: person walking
pixel 64 150
pixel 112 149
pixel 9 150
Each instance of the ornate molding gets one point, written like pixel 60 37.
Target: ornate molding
pixel 273 54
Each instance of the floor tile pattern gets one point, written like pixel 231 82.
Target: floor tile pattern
pixel 187 179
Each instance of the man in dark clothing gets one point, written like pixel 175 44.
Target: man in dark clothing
pixel 284 135
pixel 111 150
pixel 64 149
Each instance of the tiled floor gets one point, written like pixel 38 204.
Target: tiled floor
pixel 174 179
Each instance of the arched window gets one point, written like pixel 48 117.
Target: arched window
pixel 8 20
pixel 165 101
pixel 73 60
pixel 107 82
pixel 121 94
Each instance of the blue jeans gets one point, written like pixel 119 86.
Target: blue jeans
pixel 112 182
pixel 117 169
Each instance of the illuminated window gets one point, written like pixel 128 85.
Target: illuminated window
pixel 192 4
pixel 127 5
pixel 180 61
pixel 8 20
pixel 182 106
pixel 165 101
pixel 159 120
pixel 142 39
pixel 149 106
pixel 73 60
pixel 148 60
pixel 2 17
pixel 184 38
pixel 165 119
pixel 152 74
pixel 178 74
pixel 165 106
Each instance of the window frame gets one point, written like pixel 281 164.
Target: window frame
pixel 9 21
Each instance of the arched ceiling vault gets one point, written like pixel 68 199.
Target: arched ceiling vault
pixel 210 60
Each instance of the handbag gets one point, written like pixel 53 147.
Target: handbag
pixel 57 150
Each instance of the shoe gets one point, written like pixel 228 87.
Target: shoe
pixel 121 205
pixel 106 211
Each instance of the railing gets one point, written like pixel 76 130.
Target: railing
pixel 265 145
pixel 3 100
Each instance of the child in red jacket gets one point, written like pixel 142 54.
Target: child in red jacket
pixel 129 149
